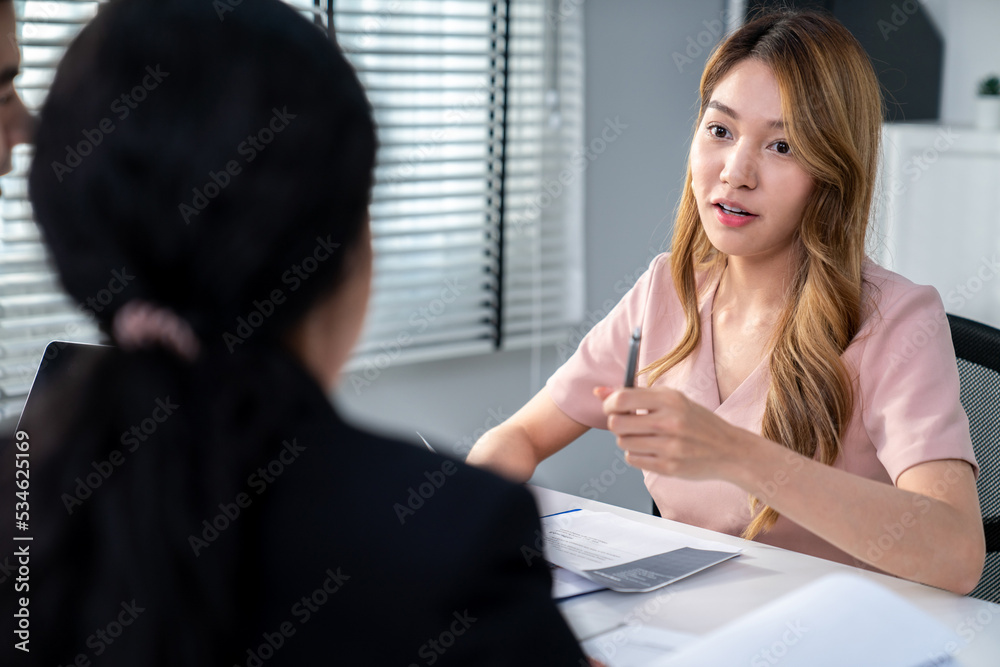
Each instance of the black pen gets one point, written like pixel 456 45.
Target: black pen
pixel 633 357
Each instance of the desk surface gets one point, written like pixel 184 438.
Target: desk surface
pixel 727 591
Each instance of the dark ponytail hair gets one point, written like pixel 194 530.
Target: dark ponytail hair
pixel 224 164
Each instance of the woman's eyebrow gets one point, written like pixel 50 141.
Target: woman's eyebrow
pixel 719 106
pixel 729 111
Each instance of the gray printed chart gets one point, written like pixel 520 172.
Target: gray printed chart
pixel 649 573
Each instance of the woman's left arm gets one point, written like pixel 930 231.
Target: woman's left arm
pixel 932 515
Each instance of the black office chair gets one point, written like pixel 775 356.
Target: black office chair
pixel 977 347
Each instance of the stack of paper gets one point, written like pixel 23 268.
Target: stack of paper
pixel 625 555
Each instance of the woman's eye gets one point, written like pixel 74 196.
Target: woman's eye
pixel 782 147
pixel 718 131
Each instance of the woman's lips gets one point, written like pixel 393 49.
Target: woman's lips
pixel 730 215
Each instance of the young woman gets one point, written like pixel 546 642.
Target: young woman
pixel 794 392
pixel 237 520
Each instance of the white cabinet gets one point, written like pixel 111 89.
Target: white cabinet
pixel 937 214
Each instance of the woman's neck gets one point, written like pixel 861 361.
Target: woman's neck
pixel 753 287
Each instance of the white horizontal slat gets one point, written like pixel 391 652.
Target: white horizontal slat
pixel 27 282
pixel 26 254
pixel 444 337
pixel 372 62
pixel 541 293
pixel 421 190
pixel 431 118
pixel 554 333
pixel 430 224
pixel 432 8
pixel 366 365
pixel 39 324
pixel 552 274
pixel 391 265
pixel 425 320
pixel 432 135
pixel 420 169
pixel 434 153
pixel 432 99
pixel 25 304
pixel 473 203
pixel 420 243
pixel 460 293
pixel 528 310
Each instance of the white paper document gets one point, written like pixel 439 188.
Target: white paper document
pixel 626 555
pixel 839 620
pixel 566 584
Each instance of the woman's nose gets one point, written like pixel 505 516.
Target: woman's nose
pixel 740 169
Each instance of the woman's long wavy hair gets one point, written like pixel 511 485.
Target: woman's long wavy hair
pixel 832 109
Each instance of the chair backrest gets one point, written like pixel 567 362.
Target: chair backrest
pixel 977 349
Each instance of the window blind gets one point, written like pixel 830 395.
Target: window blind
pixel 479 110
pixel 33 308
pixel 543 212
pixel 477 206
pixel 433 71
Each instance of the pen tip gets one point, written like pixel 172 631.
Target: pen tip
pixel 425 441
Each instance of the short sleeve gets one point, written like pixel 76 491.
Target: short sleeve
pixel 909 382
pixel 601 357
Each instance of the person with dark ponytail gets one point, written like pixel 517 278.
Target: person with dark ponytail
pixel 242 521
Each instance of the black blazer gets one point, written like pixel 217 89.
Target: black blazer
pixel 341 548
pixel 377 552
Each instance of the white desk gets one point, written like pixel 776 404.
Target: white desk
pixel 762 573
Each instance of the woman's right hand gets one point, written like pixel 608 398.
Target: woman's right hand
pixel 514 448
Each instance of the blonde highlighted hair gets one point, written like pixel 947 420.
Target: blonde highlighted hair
pixel 832 109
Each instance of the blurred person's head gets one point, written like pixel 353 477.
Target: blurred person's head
pixel 209 172
pixel 15 121
pixel 224 161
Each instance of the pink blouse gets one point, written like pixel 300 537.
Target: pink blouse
pixel 907 408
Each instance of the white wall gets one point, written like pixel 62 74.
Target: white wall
pixel 971 52
pixel 943 230
pixel 643 61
